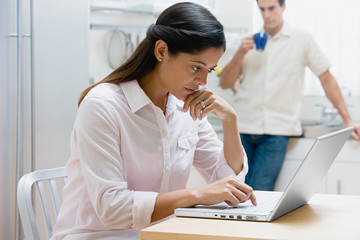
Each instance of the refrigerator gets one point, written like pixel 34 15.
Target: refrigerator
pixel 43 69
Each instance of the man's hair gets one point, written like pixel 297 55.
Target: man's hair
pixel 281 2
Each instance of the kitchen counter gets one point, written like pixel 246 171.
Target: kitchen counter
pixel 314 129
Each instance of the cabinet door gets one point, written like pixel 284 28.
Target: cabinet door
pixel 344 178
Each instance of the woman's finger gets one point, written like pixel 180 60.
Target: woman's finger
pixel 190 99
pixel 253 199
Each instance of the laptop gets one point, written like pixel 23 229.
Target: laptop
pixel 272 205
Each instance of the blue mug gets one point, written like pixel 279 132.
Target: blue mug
pixel 260 39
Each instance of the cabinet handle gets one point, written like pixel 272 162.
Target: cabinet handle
pixel 338 186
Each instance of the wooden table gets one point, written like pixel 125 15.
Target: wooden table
pixel 325 217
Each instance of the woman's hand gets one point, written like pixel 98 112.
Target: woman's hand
pixel 204 101
pixel 228 189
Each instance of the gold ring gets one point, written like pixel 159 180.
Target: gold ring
pixel 202 103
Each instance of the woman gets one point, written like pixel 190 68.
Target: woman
pixel 138 132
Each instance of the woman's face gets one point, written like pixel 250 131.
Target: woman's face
pixel 182 74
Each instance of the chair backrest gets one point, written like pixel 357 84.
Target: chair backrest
pixel 49 189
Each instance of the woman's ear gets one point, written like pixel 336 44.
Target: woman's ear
pixel 161 50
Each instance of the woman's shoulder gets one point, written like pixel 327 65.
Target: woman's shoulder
pixel 104 96
pixel 107 92
pixel 104 90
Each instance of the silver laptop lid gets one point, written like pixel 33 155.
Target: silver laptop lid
pixel 311 171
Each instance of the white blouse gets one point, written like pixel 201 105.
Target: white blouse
pixel 124 152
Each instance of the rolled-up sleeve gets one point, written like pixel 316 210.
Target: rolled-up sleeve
pixel 143 208
pixel 315 59
pixel 223 169
pixel 210 160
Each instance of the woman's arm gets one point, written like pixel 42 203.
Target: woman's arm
pixel 233 149
pixel 228 189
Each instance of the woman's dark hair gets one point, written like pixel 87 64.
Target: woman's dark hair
pixel 185 27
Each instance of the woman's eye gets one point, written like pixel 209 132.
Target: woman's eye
pixel 196 69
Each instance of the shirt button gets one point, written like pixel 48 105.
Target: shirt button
pixel 167 168
pixel 164 133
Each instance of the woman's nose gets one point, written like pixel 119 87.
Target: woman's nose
pixel 201 80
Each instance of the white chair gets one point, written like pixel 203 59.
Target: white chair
pixel 49 183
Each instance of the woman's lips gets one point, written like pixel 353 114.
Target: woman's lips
pixel 190 90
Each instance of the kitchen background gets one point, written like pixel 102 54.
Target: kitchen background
pixel 50 50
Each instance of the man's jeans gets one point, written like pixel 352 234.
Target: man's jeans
pixel 266 155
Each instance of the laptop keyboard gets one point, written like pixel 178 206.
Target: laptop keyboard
pixel 266 203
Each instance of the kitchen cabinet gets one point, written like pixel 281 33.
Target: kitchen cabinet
pixel 344 178
pixel 344 175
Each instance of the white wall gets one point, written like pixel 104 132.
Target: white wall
pixel 336 29
pixel 104 24
pixel 236 17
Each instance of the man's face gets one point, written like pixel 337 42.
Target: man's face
pixel 271 12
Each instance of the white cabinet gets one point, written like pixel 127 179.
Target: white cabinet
pixel 344 175
pixel 344 178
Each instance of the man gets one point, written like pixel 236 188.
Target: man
pixel 268 99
